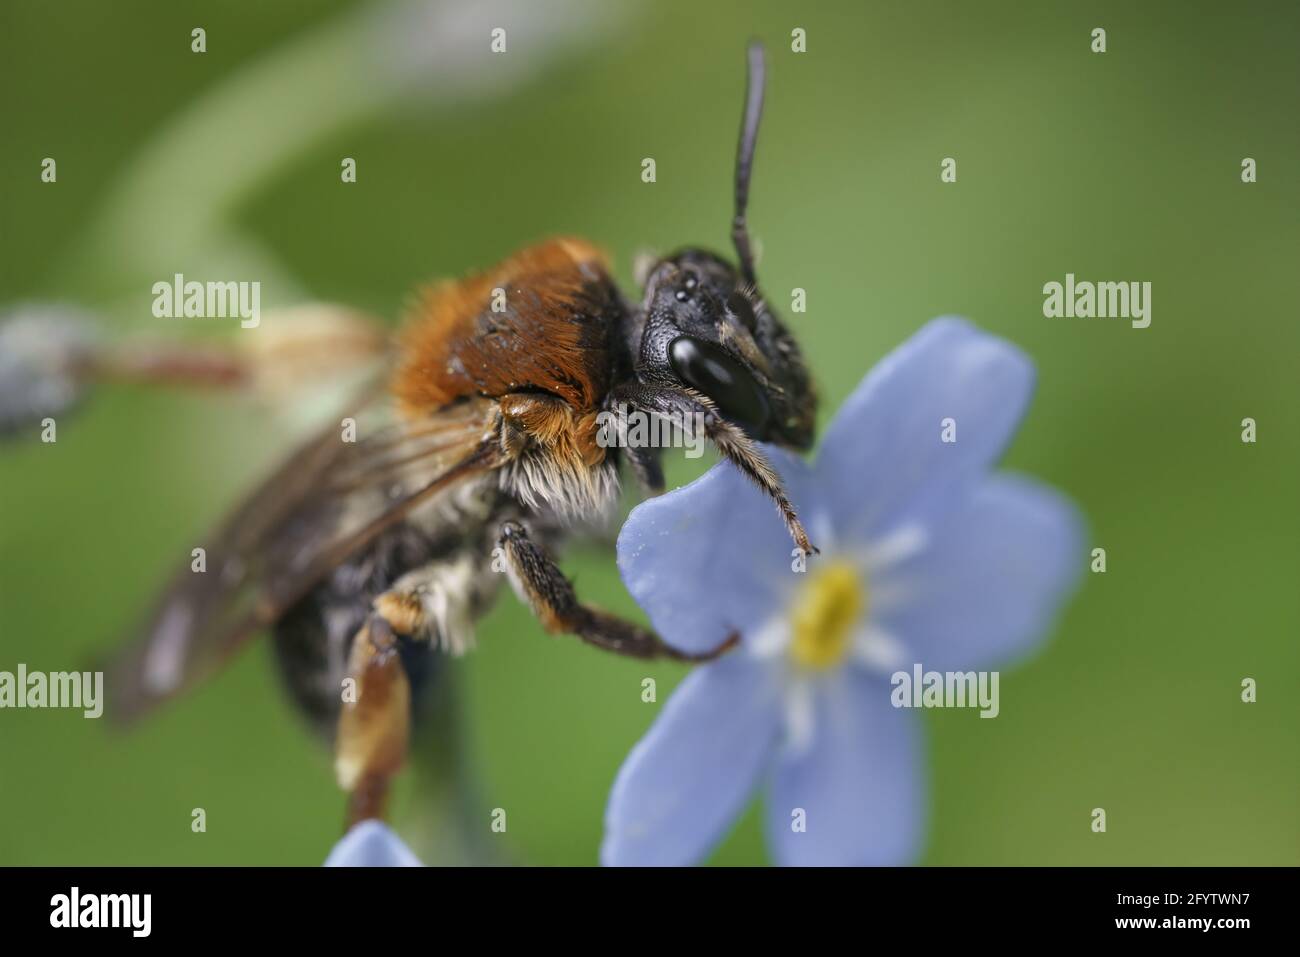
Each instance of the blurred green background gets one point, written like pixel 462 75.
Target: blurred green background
pixel 1119 166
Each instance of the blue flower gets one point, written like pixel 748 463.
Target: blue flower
pixel 371 844
pixel 926 558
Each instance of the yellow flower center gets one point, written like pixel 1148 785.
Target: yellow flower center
pixel 827 608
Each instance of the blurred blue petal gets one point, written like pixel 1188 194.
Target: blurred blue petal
pixel 859 780
pixel 371 844
pixel 882 462
pixel 690 777
pixel 990 582
pixel 714 557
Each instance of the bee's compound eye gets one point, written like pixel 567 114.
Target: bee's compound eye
pixel 708 368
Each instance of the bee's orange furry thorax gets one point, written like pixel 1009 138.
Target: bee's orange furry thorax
pixel 541 320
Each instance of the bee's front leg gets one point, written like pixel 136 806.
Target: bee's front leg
pixel 539 582
pixel 685 406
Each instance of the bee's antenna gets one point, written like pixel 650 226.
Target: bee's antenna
pixel 745 156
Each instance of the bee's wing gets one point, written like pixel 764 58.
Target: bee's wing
pixel 327 502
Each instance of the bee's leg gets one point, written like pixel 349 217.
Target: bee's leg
pixel 374 725
pixel 647 468
pixel 539 582
pixel 644 461
pixel 429 603
pixel 691 408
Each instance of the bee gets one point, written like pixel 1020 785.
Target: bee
pixel 365 559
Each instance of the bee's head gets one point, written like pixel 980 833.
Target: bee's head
pixel 707 327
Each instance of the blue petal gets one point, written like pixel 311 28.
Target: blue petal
pixel 371 844
pixel 858 781
pixel 690 777
pixel 711 558
pixel 991 580
pixel 883 462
